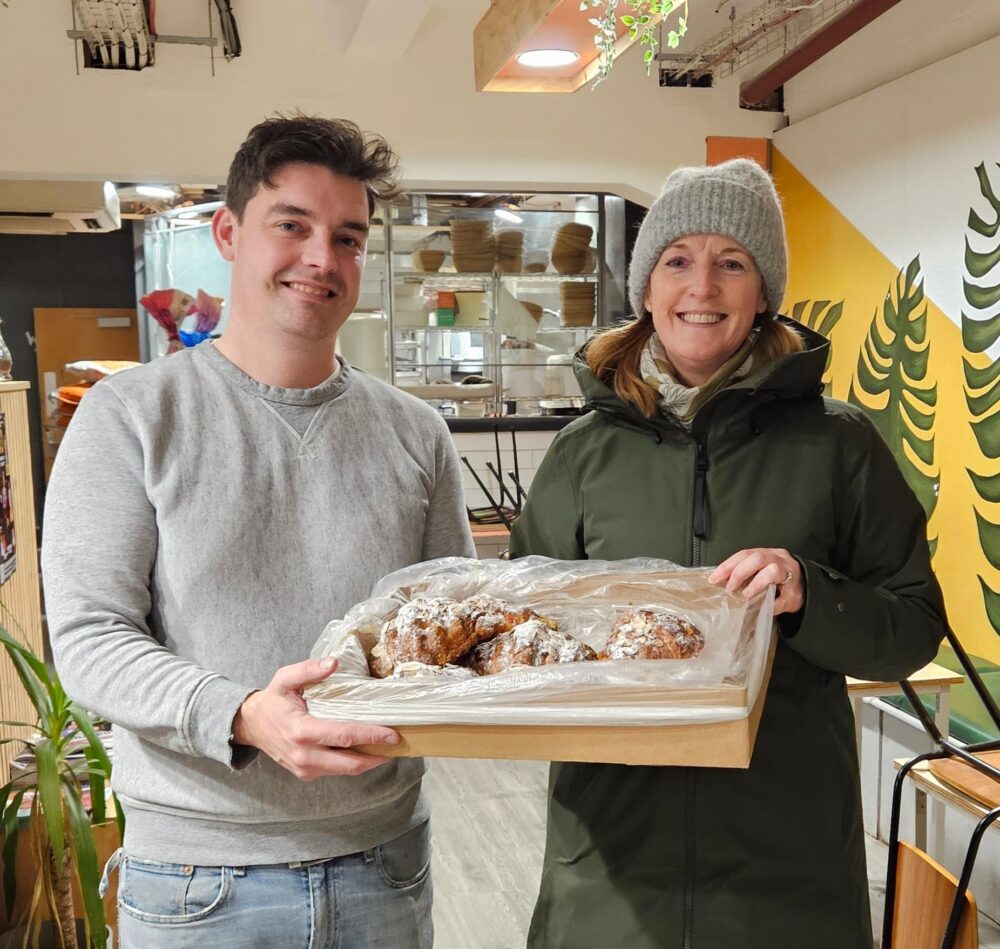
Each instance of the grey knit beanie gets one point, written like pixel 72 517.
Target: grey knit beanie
pixel 736 198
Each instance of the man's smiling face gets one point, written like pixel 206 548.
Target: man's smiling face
pixel 298 254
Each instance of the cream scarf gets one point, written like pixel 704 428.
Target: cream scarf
pixel 681 400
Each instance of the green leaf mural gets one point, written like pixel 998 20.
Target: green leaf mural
pixel 980 331
pixel 890 383
pixel 821 317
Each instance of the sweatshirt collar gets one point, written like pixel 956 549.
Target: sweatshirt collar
pixel 329 389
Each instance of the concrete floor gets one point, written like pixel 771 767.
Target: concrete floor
pixel 489 830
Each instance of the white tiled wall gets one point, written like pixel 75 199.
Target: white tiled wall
pixel 479 448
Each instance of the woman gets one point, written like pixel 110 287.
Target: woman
pixel 709 443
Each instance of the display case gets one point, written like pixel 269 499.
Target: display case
pixel 473 301
pixel 486 297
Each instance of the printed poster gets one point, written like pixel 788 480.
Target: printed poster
pixel 8 544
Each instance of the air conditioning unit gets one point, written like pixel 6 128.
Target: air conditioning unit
pixel 58 207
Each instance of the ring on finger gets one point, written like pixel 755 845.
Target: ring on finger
pixel 786 578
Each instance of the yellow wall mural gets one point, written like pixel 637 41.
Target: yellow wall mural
pixel 926 414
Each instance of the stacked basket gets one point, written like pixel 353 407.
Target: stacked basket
pixel 472 246
pixel 428 261
pixel 570 251
pixel 577 303
pixel 510 248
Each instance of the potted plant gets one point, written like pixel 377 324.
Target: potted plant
pixel 60 830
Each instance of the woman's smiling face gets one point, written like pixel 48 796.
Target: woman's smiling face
pixel 704 294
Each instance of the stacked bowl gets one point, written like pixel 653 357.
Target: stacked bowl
pixel 577 303
pixel 472 246
pixel 427 261
pixel 510 249
pixel 570 248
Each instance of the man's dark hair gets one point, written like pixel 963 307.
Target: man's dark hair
pixel 336 144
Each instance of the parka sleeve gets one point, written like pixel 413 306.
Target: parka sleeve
pixel 550 524
pixel 877 613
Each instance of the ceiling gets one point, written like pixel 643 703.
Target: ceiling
pixel 407 71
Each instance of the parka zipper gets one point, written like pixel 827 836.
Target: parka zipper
pixel 690 841
pixel 699 513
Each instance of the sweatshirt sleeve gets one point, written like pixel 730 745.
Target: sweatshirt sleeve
pixel 878 613
pixel 98 551
pixel 550 524
pixel 447 533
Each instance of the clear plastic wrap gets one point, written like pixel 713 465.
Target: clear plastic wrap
pixel 721 684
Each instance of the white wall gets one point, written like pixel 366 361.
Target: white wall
pixel 899 162
pixel 176 122
pixel 907 37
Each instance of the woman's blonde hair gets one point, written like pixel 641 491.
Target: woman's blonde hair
pixel 613 356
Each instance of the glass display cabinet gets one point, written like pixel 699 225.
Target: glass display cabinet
pixel 476 302
pixel 486 297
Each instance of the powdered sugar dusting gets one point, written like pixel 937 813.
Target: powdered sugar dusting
pixel 653 634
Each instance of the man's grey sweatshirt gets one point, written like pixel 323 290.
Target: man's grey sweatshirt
pixel 194 542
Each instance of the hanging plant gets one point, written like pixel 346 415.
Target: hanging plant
pixel 642 20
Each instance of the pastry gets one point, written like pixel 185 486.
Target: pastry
pixel 652 634
pixel 431 630
pixel 488 616
pixel 532 643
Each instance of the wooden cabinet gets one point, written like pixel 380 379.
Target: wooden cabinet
pixel 20 599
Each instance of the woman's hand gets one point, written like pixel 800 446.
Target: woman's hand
pixel 752 570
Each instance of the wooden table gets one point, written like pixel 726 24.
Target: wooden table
pixel 925 783
pixel 932 678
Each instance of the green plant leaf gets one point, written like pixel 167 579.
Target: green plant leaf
pixel 989 537
pixel 11 831
pixel 87 869
pixel 979 334
pixel 628 20
pixel 978 378
pixel 31 671
pixel 987 486
pixel 119 816
pixel 50 796
pixel 890 382
pixel 981 297
pixel 982 403
pixel 673 39
pixel 976 223
pixel 991 600
pixel 980 264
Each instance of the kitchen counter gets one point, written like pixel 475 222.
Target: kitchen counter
pixel 510 423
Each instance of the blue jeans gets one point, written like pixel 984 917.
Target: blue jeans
pixel 378 898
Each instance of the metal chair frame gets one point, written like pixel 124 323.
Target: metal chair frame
pixel 946 748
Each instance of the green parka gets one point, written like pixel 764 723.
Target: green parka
pixel 771 857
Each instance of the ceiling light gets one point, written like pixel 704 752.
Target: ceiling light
pixel 155 191
pixel 511 30
pixel 507 215
pixel 543 58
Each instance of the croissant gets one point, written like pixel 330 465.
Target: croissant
pixel 431 630
pixel 532 643
pixel 652 634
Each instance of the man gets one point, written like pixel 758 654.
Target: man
pixel 207 515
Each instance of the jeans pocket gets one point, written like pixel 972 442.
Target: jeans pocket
pixel 406 860
pixel 169 893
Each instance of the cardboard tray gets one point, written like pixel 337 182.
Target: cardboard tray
pixel 714 744
pixel 711 745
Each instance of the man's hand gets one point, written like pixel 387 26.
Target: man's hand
pixel 276 721
pixel 752 570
